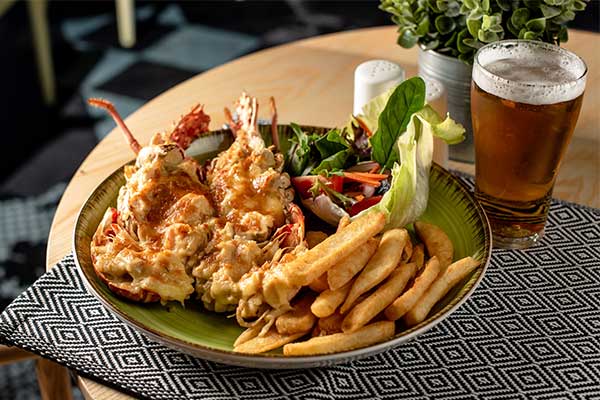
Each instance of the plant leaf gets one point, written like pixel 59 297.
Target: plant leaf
pixel 431 45
pixel 331 143
pixel 444 24
pixel 504 5
pixel 529 35
pixel 476 13
pixel 460 45
pixel 298 155
pixel 450 42
pixel 522 33
pixel 537 25
pixel 548 11
pixel 453 9
pixel 407 98
pixel 407 38
pixel 474 43
pixel 579 5
pixel 473 25
pixel 519 17
pixel 512 29
pixel 423 26
pixel 334 162
pixel 488 36
pixel 485 5
pixel 470 4
pixel 563 35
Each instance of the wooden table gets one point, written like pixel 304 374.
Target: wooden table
pixel 312 81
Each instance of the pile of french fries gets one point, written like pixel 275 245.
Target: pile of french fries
pixel 349 289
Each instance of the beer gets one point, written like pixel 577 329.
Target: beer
pixel 525 100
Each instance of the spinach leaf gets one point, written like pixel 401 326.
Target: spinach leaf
pixel 334 162
pixel 331 143
pixel 407 98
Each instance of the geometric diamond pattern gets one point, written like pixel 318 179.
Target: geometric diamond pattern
pixel 531 330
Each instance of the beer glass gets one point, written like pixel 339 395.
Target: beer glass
pixel 525 100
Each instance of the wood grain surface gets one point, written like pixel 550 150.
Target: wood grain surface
pixel 312 81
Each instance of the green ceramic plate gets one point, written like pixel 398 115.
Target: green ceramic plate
pixel 210 335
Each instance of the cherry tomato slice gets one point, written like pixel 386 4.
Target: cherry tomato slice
pixel 363 205
pixel 302 184
pixel 337 183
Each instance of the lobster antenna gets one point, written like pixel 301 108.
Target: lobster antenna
pixel 108 106
pixel 274 134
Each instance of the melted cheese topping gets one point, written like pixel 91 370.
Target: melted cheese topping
pixel 175 234
pixel 161 230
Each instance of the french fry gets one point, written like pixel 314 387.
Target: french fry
pixel 436 241
pixel 344 222
pixel 365 336
pixel 343 272
pixel 438 289
pixel 418 256
pixel 313 238
pixel 328 301
pixel 408 299
pixel 407 251
pixel 249 333
pixel 280 286
pixel 383 296
pixel 298 319
pixel 331 324
pixel 383 262
pixel 270 341
pixel 323 256
pixel 320 284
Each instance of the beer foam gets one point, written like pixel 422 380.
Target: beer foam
pixel 529 72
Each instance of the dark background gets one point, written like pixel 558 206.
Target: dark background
pixel 28 125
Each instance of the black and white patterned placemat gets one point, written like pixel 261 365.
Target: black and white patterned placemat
pixel 531 330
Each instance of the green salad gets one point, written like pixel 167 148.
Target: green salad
pixel 379 161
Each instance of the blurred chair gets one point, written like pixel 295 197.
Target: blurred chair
pixel 38 19
pixel 53 380
pixel 10 355
pixel 126 22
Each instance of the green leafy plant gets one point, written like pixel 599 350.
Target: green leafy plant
pixel 457 28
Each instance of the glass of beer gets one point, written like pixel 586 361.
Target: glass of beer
pixel 525 100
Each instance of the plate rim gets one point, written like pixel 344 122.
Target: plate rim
pixel 278 360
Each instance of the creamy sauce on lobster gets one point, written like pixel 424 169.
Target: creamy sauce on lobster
pixel 180 229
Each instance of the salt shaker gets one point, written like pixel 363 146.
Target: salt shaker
pixel 372 78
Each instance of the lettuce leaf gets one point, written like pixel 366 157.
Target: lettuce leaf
pixel 372 110
pixel 298 155
pixel 407 197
